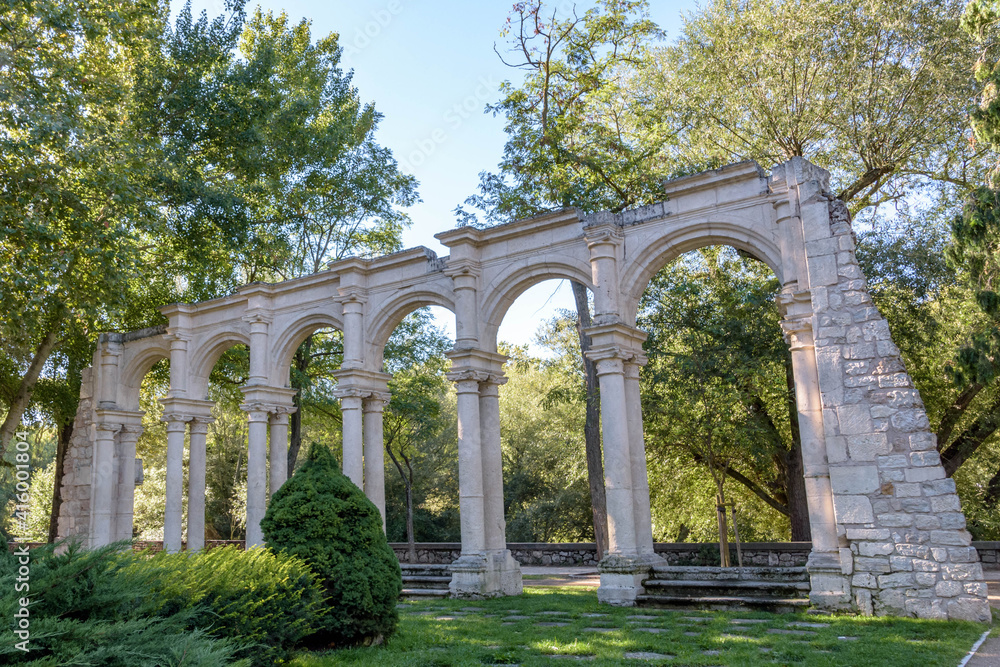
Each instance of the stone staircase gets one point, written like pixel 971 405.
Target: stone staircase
pixel 773 589
pixel 421 582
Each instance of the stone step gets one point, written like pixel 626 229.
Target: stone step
pixel 424 567
pixel 423 593
pixel 727 587
pixel 425 581
pixel 700 573
pixel 723 603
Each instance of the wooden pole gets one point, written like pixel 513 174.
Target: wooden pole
pixel 720 511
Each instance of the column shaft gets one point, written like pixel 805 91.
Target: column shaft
pixel 489 420
pixel 470 466
pixel 350 410
pixel 104 484
pixel 617 458
pixel 172 517
pixel 637 455
pixel 374 454
pixel 126 484
pixel 196 485
pixel 256 476
pixel 819 494
pixel 278 452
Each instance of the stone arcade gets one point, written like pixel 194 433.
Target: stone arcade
pixel 888 533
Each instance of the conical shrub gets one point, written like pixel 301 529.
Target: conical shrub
pixel 321 517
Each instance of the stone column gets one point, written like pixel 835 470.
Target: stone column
pixel 126 483
pixel 465 279
pixel 176 428
pixel 604 239
pixel 104 484
pixel 617 451
pixel 503 574
pixel 279 449
pixel 829 588
pixel 196 483
pixel 256 472
pixel 637 455
pixel 352 429
pixel 374 451
pixel 470 462
pixel 489 421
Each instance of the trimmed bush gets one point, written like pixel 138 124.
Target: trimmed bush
pixel 321 517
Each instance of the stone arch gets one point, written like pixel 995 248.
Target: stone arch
pixel 288 339
pixel 144 354
pixel 505 289
pixel 205 356
pixel 650 259
pixel 390 314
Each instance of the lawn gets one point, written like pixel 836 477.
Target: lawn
pixel 549 623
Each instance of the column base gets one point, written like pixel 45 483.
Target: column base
pixel 622 577
pixel 829 584
pixel 478 576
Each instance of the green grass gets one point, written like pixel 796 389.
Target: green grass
pixel 427 639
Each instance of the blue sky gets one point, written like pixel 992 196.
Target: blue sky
pixel 430 69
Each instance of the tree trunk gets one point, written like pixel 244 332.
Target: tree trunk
pixel 27 386
pixel 795 483
pixel 65 433
pixel 411 542
pixel 303 356
pixel 592 425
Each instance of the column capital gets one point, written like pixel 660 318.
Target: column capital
pixel 376 401
pixel 178 338
pixel 352 294
pixel 109 427
pixel 474 358
pixel 463 268
pixel 603 232
pixel 274 398
pixel 185 409
pixel 200 424
pixel 257 412
pixel 493 382
pixel 258 316
pixel 351 392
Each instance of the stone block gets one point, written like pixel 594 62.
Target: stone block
pixel 948 503
pixel 879 565
pixel 895 520
pixel 923 565
pixel 901 563
pixel 962 554
pixel 940 554
pixel 860 351
pixel 892 476
pixel 929 609
pixel 923 442
pixel 868 533
pixel 853 509
pixel 867 447
pixel 910 420
pixel 925 458
pixel 924 474
pixel 893 461
pixel 962 571
pixel 822 269
pixel 939 487
pixel 969 609
pixel 927 522
pixel 874 548
pixel 836 449
pixel 886 348
pixel 854 479
pixel 864 580
pixel 894 380
pixel 913 550
pixel 896 580
pixel 907 490
pixel 952 520
pixel 915 505
pixel 977 588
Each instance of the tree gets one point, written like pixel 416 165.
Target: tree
pixel 875 91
